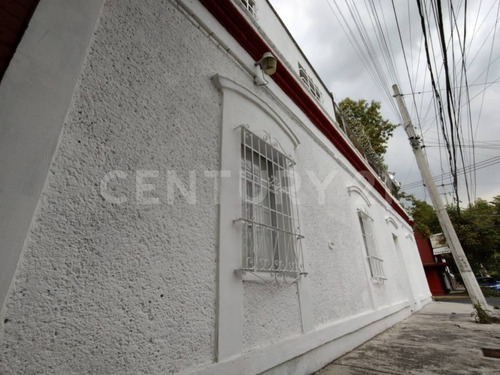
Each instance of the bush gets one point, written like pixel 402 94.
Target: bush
pixel 482 317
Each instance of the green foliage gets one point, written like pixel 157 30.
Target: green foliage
pixel 376 128
pixel 482 317
pixel 477 227
pixel 426 221
pixel 490 292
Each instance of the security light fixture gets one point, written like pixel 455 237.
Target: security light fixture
pixel 268 63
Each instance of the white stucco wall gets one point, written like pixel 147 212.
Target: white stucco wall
pixel 338 273
pixel 35 93
pixel 102 288
pixel 107 288
pixel 419 281
pixel 271 314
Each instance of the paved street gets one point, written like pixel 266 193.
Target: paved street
pixel 440 339
pixel 493 301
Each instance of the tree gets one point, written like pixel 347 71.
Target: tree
pixel 377 129
pixel 477 228
pixel 423 214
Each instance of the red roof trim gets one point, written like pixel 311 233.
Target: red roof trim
pixel 236 24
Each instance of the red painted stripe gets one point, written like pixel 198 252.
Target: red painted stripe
pixel 236 24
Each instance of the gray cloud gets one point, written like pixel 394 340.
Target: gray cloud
pixel 324 42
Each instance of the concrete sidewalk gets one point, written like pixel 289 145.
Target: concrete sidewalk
pixel 442 339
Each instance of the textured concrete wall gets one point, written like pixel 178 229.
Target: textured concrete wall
pixel 104 288
pixel 418 274
pixel 337 274
pixel 35 93
pixel 110 288
pixel 340 285
pixel 271 313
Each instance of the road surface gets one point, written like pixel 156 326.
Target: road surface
pixel 493 301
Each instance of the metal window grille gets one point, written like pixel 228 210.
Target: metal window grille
pixel 308 81
pixel 375 262
pixel 249 5
pixel 271 237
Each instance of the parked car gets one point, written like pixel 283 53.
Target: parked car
pixel 488 282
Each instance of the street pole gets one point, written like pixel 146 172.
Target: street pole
pixel 475 292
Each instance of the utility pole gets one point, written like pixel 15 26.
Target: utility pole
pixel 463 265
pixel 445 194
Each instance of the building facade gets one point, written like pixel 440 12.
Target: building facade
pixel 166 207
pixel 434 267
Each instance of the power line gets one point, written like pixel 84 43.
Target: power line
pixel 488 71
pixel 406 63
pixel 480 165
pixel 437 96
pixel 446 42
pixel 455 87
pixel 361 42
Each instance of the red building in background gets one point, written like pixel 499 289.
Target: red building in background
pixel 433 265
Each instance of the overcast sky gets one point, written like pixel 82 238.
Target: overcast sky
pixel 315 27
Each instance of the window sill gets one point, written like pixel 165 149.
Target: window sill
pixel 269 277
pixel 378 280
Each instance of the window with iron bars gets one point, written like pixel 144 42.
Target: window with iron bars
pixel 308 81
pixel 374 261
pixel 249 6
pixel 271 236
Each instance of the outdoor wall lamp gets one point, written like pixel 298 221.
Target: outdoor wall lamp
pixel 268 64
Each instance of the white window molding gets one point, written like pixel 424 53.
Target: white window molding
pixel 403 268
pixel 410 236
pixel 375 262
pixel 357 190
pixel 241 105
pixel 284 135
pixel 390 220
